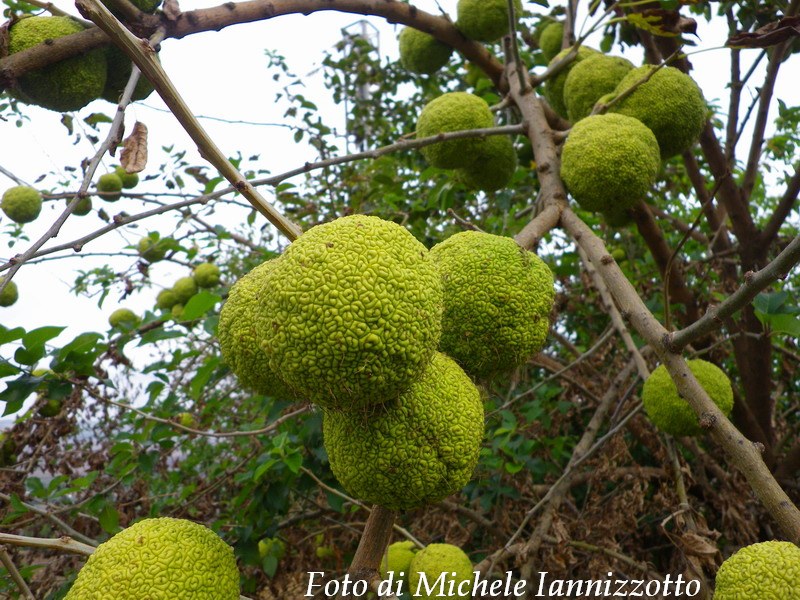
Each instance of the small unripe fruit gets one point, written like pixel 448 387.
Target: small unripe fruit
pixel 10 294
pixel 123 317
pixel 206 275
pixel 110 185
pixel 21 204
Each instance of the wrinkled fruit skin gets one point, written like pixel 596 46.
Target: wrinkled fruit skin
pixel 119 71
pixel 63 86
pixel 421 52
pixel 497 297
pixel 433 560
pixel 9 295
pixel 184 289
pixel 239 342
pixel 123 316
pixel 671 413
pixel 485 20
pixel 609 162
pixel 129 180
pixel 111 185
pixel 767 571
pixel 152 250
pixel 160 559
pixel 83 207
pixel 494 165
pixel 454 111
pixel 351 312
pixel 669 103
pixel 21 204
pixel 206 275
pixel 590 80
pixel 551 39
pixel 415 450
pixel 553 89
pixel 397 559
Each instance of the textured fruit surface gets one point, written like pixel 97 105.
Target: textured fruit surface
pixel 68 84
pixel 160 559
pixel 767 571
pixel 591 79
pixel 166 299
pixel 111 185
pixel 671 413
pixel 152 250
pixel 433 560
pixel 83 207
pixel 119 71
pixel 21 204
pixel 669 103
pixel 239 342
pixel 493 167
pixel 414 450
pixel 10 294
pixel 609 162
pixel 497 299
pixel 485 20
pixel 397 559
pixel 553 89
pixel 129 180
pixel 421 52
pixel 123 316
pixel 184 289
pixel 454 111
pixel 351 312
pixel 551 39
pixel 206 275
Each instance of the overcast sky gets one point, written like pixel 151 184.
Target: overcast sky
pixel 220 74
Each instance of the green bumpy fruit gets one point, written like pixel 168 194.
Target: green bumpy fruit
pixel 609 162
pixel 432 561
pixel 124 317
pixel 67 85
pixel 551 39
pixel 129 180
pixel 497 301
pixel 110 185
pixel 166 299
pixel 83 207
pixel 767 571
pixel 485 20
pixel 454 111
pixel 153 250
pixel 160 559
pixel 206 275
pixel 553 89
pixel 494 165
pixel 420 52
pixel 414 450
pixel 10 294
pixel 397 559
pixel 351 312
pixel 21 204
pixel 591 79
pixel 238 340
pixel 119 71
pixel 184 289
pixel 671 413
pixel 670 103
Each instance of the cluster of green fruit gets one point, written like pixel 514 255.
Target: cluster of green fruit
pixel 480 163
pixel 110 186
pixel 610 161
pixel 159 558
pixel 480 20
pixel 407 564
pixel 172 300
pixel 360 318
pixel 72 83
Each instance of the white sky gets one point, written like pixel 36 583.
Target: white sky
pixel 221 74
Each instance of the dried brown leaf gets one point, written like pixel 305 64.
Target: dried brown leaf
pixel 698 545
pixel 134 153
pixel 768 35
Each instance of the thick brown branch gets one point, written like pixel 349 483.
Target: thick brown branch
pixel 785 206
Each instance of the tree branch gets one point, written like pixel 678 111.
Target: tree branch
pixel 785 206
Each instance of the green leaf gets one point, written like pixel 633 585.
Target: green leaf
pixel 156 335
pixel 782 323
pixel 9 335
pixel 16 392
pixel 109 519
pixel 38 337
pixel 199 305
pixel 770 303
